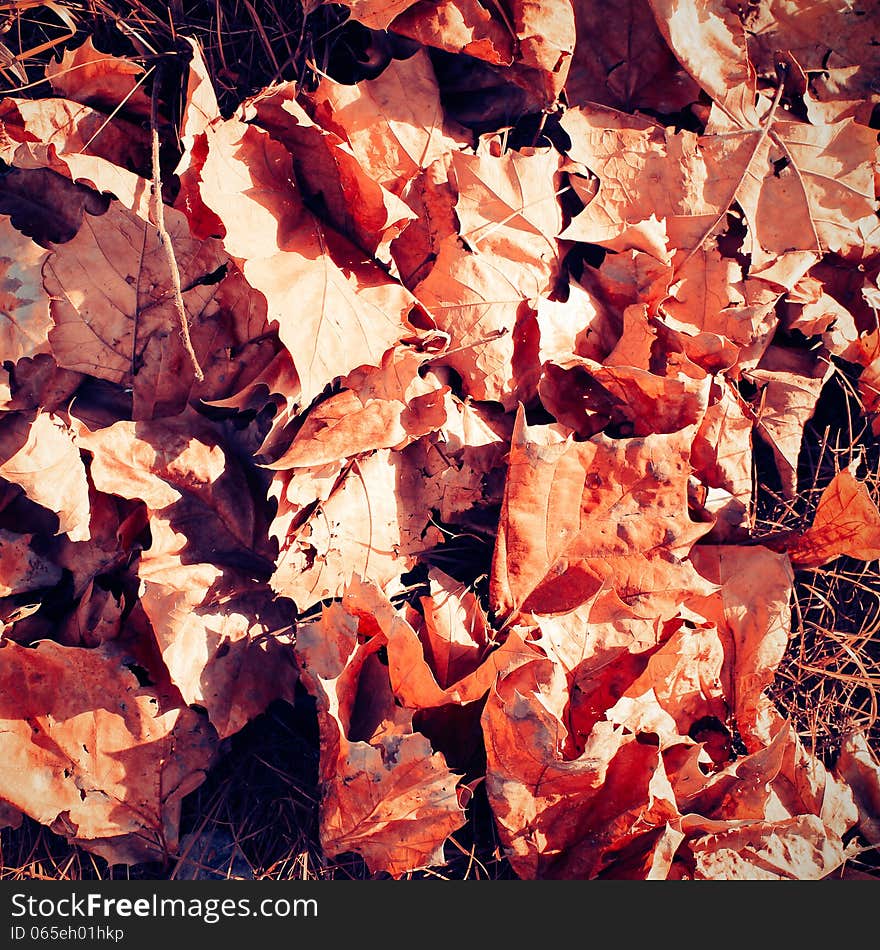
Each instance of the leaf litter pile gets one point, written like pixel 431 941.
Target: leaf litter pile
pixel 512 398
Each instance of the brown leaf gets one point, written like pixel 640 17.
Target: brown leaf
pixel 45 205
pixel 710 42
pixel 21 568
pixel 722 460
pixel 222 636
pixel 790 383
pixel 751 610
pixel 832 42
pixel 224 639
pixel 40 456
pixel 629 67
pixel 333 177
pixel 93 755
pixel 102 80
pixel 559 817
pixel 857 766
pixel 395 124
pixel 587 396
pixel 388 795
pixel 115 318
pixel 334 311
pixel 458 26
pixel 573 509
pixel 798 849
pixel 800 186
pixel 388 407
pixel 24 305
pixel 846 522
pixel 366 525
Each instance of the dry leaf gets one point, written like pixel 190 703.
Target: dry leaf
pixel 574 510
pixel 40 456
pixel 846 522
pixel 94 755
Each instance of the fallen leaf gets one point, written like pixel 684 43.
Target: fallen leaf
pixel 846 522
pixel 24 305
pixel 389 796
pixel 572 510
pixel 40 456
pixel 334 310
pixel 95 756
pixel 102 80
pixel 629 67
pixel 558 817
pixel 755 630
pixel 21 568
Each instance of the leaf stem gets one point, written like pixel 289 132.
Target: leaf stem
pixel 164 237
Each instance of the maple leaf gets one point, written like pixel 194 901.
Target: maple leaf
pixel 857 766
pixel 573 510
pixel 831 42
pixel 388 407
pixel 797 849
pixel 754 630
pixel 710 42
pixel 587 396
pixel 334 310
pixel 818 180
pixel 560 817
pixel 389 796
pixel 790 383
pixel 458 26
pixel 333 177
pixel 721 455
pixel 218 630
pixel 115 317
pixel 95 756
pixel 24 305
pixel 21 568
pixel 102 80
pixel 504 255
pixel 366 525
pixel 39 455
pixel 72 129
pixel 394 124
pixel 629 67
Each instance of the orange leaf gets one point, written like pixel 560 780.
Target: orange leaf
pixel 571 508
pixel 94 755
pixel 388 795
pixel 39 455
pixel 846 522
